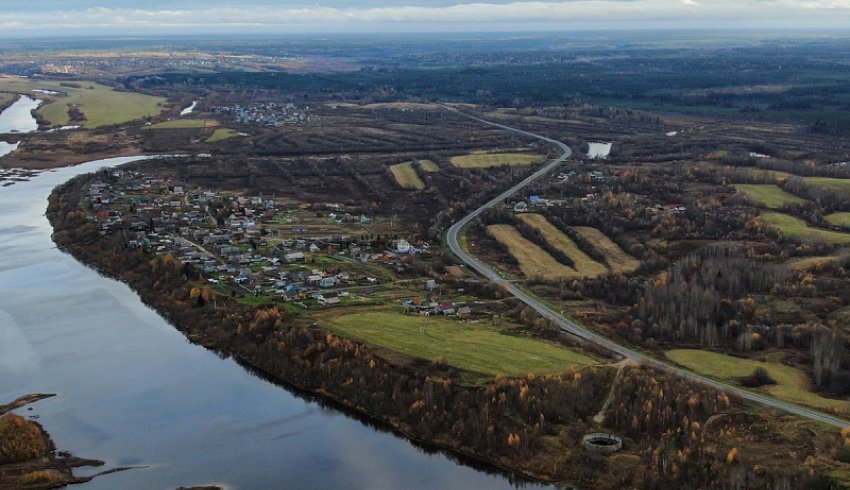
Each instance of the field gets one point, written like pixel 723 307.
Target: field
pixel 617 259
pixel 473 347
pixel 838 219
pixel 429 166
pixel 406 176
pixel 791 384
pixel 768 195
pixel 796 228
pixel 101 105
pixel 485 160
pixel 533 260
pixel 221 134
pixel 584 265
pixel 186 123
pixel 828 183
pixel 806 263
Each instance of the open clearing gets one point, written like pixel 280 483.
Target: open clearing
pixel 533 260
pixel 221 134
pixel 829 183
pixel 792 384
pixel 406 176
pixel 838 219
pixel 99 104
pixel 584 265
pixel 796 228
pixel 768 195
pixel 429 166
pixel 485 160
pixel 186 123
pixel 473 347
pixel 617 259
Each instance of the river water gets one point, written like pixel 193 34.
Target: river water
pixel 133 392
pixel 17 118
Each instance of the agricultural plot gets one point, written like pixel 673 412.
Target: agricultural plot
pixel 486 160
pixel 474 347
pixel 406 176
pixel 584 265
pixel 533 260
pixel 99 104
pixel 617 259
pixel 829 183
pixel 186 124
pixel 792 384
pixel 838 219
pixel 794 227
pixel 221 134
pixel 768 195
pixel 806 263
pixel 429 166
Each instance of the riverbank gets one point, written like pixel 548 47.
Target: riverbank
pixel 28 457
pixel 498 423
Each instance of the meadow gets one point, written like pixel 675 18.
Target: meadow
pixel 533 260
pixel 792 384
pixel 486 160
pixel 406 176
pixel 794 227
pixel 477 347
pixel 583 264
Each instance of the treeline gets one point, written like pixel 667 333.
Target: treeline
pixel 699 299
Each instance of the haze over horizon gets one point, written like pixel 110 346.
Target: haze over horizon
pixel 50 18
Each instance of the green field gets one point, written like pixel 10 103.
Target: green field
pixel 828 183
pixel 222 134
pixel 533 260
pixel 768 195
pixel 617 259
pixel 429 166
pixel 406 176
pixel 584 265
pixel 186 123
pixel 474 347
pixel 485 160
pixel 796 228
pixel 792 384
pixel 838 219
pixel 99 104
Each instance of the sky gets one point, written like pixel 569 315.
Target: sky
pixel 47 18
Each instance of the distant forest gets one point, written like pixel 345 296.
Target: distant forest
pixel 806 83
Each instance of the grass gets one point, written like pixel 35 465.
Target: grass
pixel 186 123
pixel 792 384
pixel 796 228
pixel 584 265
pixel 838 219
pixel 617 259
pixel 486 160
pixel 533 260
pixel 474 347
pixel 829 183
pixel 406 176
pixel 768 195
pixel 429 166
pixel 221 134
pixel 99 104
pixel 806 263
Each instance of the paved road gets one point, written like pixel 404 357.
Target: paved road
pixel 587 335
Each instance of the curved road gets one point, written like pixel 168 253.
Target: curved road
pixel 579 331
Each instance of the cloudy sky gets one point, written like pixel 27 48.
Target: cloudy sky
pixel 27 18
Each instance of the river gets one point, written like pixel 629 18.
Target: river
pixel 17 118
pixel 134 392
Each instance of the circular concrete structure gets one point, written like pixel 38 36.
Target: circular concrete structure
pixel 602 442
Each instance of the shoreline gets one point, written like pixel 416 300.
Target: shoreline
pixel 536 464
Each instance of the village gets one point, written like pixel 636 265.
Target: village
pixel 269 114
pixel 264 249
